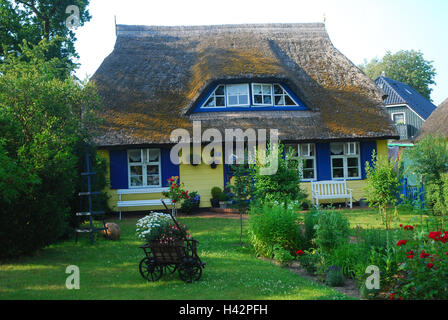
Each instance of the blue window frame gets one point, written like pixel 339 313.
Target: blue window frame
pixel 249 97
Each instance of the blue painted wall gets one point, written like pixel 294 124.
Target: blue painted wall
pixel 169 169
pixel 323 162
pixel 367 148
pixel 118 169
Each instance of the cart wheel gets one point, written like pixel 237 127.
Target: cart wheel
pixel 190 270
pixel 171 268
pixel 149 270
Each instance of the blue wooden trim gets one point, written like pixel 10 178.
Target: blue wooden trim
pixel 367 148
pixel 323 161
pixel 118 169
pixel 169 169
pixel 300 105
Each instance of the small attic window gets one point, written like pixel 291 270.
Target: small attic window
pixel 255 96
pixel 237 95
pixel 217 98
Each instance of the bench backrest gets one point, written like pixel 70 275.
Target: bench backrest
pixel 330 187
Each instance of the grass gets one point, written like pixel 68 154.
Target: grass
pixel 109 270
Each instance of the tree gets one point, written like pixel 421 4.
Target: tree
pixel 35 20
pixel 407 66
pixel 429 159
pixel 43 121
pixel 383 185
pixel 284 185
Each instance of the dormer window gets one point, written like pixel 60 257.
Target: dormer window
pixel 250 97
pixel 237 95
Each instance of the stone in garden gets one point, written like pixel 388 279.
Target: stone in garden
pixel 113 231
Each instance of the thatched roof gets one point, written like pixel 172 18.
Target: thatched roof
pixel 437 122
pixel 155 76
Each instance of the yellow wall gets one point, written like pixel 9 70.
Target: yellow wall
pixel 203 178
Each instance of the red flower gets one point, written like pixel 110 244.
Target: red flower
pixel 429 265
pixel 446 253
pixel 401 242
pixel 435 235
pixel 408 227
pixel 410 252
pixel 423 254
pixel 391 296
pixel 300 252
pixel 411 256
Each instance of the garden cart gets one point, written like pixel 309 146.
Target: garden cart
pixel 167 257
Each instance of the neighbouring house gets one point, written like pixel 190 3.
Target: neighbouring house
pixel 437 122
pixel 265 76
pixel 406 107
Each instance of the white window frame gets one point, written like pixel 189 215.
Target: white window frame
pixel 285 93
pixel 394 113
pixel 213 95
pixel 301 158
pixel 144 165
pixel 344 157
pixel 237 105
pixel 272 94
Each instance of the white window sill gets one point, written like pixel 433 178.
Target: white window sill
pixel 143 190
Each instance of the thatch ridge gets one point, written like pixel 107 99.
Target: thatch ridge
pixel 437 123
pixel 156 74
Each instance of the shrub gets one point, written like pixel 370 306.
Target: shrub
pixel 310 260
pixel 311 219
pixel 281 186
pixel 216 191
pixel 423 265
pixel 334 276
pixel 332 229
pixel 281 255
pixel 383 183
pixel 270 225
pixel 44 117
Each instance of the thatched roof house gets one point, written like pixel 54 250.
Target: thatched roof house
pixel 155 75
pixel 288 77
pixel 437 123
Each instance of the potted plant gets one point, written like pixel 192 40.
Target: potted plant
pixel 191 203
pixel 216 191
pixel 223 200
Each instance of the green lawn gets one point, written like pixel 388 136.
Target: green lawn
pixel 109 270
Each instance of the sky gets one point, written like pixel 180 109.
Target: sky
pixel 360 29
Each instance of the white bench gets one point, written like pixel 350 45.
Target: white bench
pixel 140 203
pixel 331 189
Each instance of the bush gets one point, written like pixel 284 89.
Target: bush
pixel 310 260
pixel 332 229
pixel 423 265
pixel 281 255
pixel 270 225
pixel 216 191
pixel 311 219
pixel 43 121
